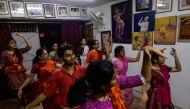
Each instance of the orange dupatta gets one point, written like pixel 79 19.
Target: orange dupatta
pixel 117 100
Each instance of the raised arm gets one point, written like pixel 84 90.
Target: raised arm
pixel 177 67
pixel 123 12
pixel 139 23
pixel 146 64
pixel 28 46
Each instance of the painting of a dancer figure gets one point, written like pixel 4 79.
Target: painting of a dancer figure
pixel 122 22
pixel 144 21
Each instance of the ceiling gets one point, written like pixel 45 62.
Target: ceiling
pixel 82 3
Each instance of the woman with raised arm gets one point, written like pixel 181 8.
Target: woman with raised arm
pixel 120 62
pixel 11 61
pixel 159 93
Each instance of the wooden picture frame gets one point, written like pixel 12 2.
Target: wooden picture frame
pixel 83 12
pixel 74 11
pixel 62 11
pixel 106 39
pixel 141 39
pixel 34 10
pixel 17 9
pixel 49 10
pixel 163 6
pixel 165 30
pixel 184 28
pixel 3 8
pixel 143 5
pixel 183 5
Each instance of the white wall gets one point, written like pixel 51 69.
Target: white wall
pixel 179 82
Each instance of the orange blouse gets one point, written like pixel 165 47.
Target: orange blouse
pixel 44 71
pixel 93 55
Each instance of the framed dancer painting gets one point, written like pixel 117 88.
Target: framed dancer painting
pixel 121 15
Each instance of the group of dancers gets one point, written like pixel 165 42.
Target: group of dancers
pixel 91 83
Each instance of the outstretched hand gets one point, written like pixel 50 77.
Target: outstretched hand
pixel 173 52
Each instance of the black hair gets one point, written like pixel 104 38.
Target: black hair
pixel 82 39
pixel 17 52
pixel 38 54
pixel 98 77
pixel 154 58
pixel 91 44
pixel 117 50
pixel 63 48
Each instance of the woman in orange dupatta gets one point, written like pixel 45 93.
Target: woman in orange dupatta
pixel 44 68
pixel 11 63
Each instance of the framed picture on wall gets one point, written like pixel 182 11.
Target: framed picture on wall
pixel 183 5
pixel 49 10
pixel 141 39
pixel 121 14
pixel 165 30
pixel 83 12
pixel 163 6
pixel 62 11
pixel 74 11
pixel 144 21
pixel 17 9
pixel 184 28
pixel 34 10
pixel 3 7
pixel 143 5
pixel 106 39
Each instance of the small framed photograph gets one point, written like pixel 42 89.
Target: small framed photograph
pixel 143 5
pixel 83 12
pixel 3 7
pixel 74 11
pixel 184 28
pixel 62 11
pixel 163 6
pixel 34 10
pixel 49 10
pixel 17 9
pixel 183 5
pixel 106 39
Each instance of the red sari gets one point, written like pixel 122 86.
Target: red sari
pixel 14 69
pixel 159 92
